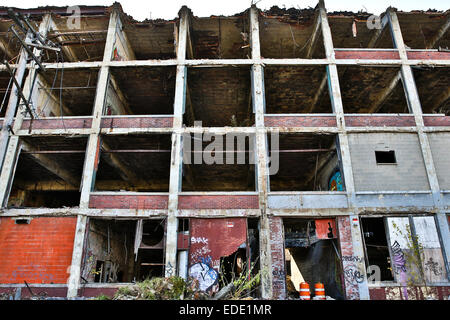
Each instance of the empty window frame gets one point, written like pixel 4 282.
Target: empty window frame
pixel 385 157
pixel 134 162
pixel 123 250
pixel 414 249
pixel 48 172
pixel 312 255
pixel 304 162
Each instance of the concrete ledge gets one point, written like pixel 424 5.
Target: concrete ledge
pixel 306 200
pixel 394 199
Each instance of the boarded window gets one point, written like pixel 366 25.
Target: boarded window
pixel 409 265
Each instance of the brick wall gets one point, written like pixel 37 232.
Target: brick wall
pixel 150 122
pixel 39 252
pixel 362 54
pixel 218 202
pixel 433 121
pixel 278 260
pixel 440 149
pixel 380 121
pixel 80 123
pixel 409 172
pixel 128 201
pixel 299 121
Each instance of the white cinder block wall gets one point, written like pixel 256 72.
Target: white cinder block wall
pixel 407 175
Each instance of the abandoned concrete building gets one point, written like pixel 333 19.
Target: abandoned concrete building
pixel 99 112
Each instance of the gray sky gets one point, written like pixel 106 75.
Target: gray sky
pixel 168 9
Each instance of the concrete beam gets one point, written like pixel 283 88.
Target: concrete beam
pixel 314 38
pixel 48 163
pixel 124 172
pixel 378 32
pixel 439 34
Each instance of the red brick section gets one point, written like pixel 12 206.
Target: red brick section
pixel 44 291
pixel 95 292
pixel 300 121
pixel 380 121
pixel 435 121
pixel 80 123
pixel 218 202
pixel 128 201
pixel 366 54
pixel 39 252
pixel 428 55
pixel 143 122
pixel 349 266
pixel 384 292
pixel 278 261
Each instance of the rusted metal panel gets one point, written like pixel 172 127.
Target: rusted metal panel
pixel 211 239
pixel 325 228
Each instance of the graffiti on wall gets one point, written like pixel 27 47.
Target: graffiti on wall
pixel 204 273
pixel 433 266
pixel 36 276
pixel 399 258
pixel 353 275
pixel 335 183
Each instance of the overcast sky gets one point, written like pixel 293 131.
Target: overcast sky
pixel 168 9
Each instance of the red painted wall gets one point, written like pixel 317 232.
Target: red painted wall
pixel 39 252
pixel 211 239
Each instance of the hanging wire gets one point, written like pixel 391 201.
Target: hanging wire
pixel 60 91
pixel 6 93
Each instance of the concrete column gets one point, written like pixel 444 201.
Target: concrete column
pixel 350 239
pixel 262 178
pixel 412 98
pixel 176 163
pixel 91 158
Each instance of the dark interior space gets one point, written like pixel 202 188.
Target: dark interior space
pixel 420 29
pixel 433 89
pixel 290 33
pixel 5 89
pixel 134 163
pixel 306 162
pixel 69 92
pixel 219 97
pixel 115 253
pixel 296 89
pixel 206 168
pixel 151 39
pixel 141 91
pixel 85 42
pixel 219 37
pixel 372 90
pixel 377 251
pixel 48 172
pixel 349 30
pixel 312 258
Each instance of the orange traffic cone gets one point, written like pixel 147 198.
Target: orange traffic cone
pixel 319 291
pixel 304 291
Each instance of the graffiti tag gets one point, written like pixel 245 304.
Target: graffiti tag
pixel 352 275
pixel 399 258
